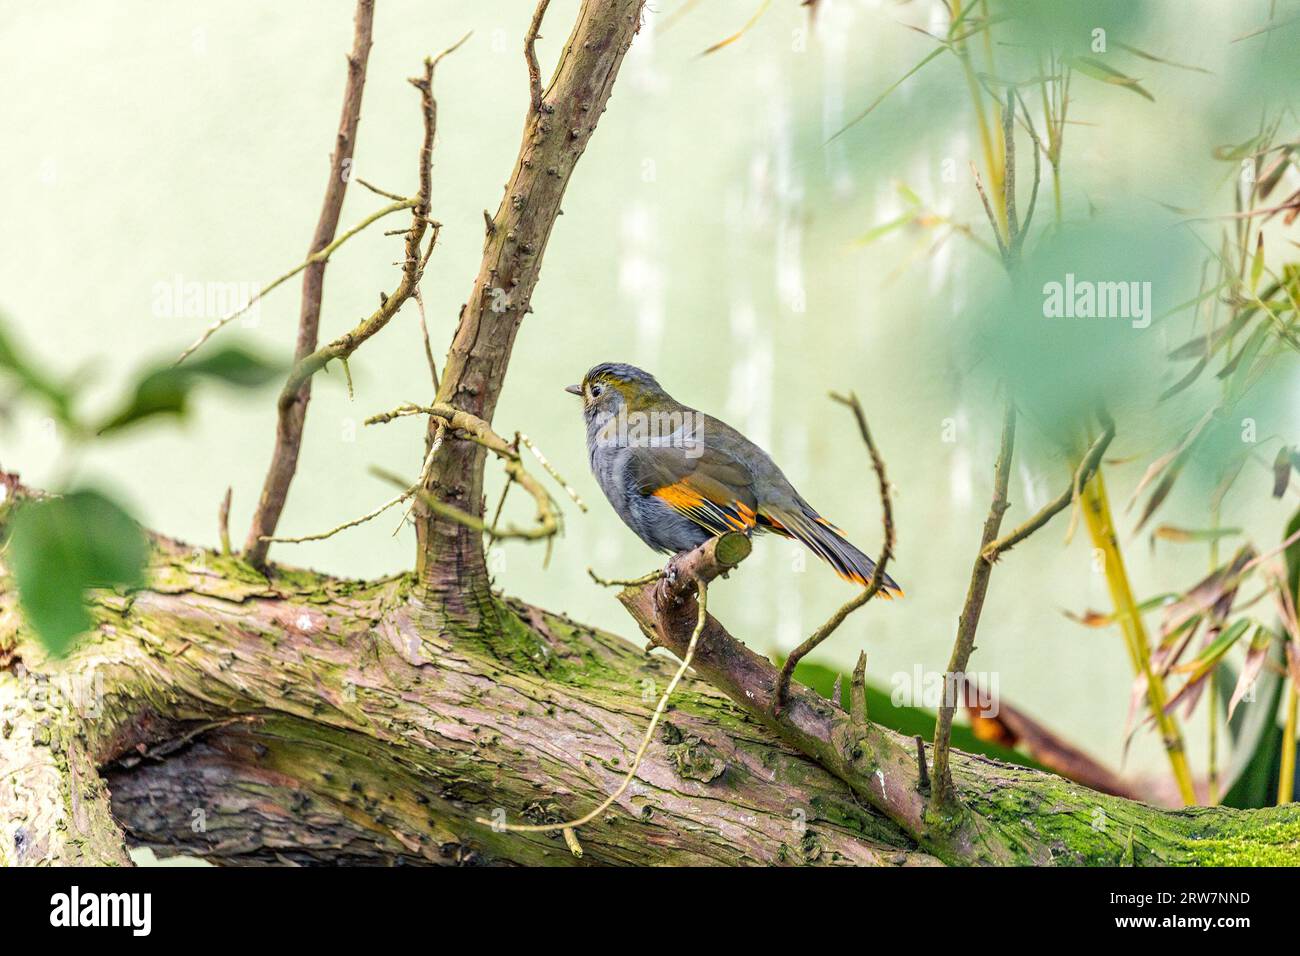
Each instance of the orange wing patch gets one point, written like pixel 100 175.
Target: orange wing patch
pixel 709 514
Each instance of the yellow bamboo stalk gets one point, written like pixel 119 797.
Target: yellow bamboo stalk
pixel 1101 528
pixel 1286 779
pixel 992 156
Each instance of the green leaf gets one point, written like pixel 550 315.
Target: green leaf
pixel 62 546
pixel 1108 74
pixel 166 390
pixel 1293 555
pixel 33 379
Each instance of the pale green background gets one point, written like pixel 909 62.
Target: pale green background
pixel 708 236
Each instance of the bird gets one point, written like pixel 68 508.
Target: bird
pixel 678 477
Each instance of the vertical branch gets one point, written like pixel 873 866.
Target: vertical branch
pixel 969 621
pixel 289 424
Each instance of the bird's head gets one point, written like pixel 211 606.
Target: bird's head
pixel 613 386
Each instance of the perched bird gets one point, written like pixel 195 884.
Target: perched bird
pixel 678 477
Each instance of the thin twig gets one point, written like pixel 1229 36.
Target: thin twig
pixel 530 56
pixel 877 576
pixel 223 521
pixel 404 496
pixel 472 428
pixel 628 583
pixel 550 470
pixel 428 348
pixel 1082 475
pixel 988 211
pixel 703 616
pixel 295 394
pixel 968 623
pixel 292 414
pixel 319 257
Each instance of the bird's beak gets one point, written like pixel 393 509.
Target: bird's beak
pixel 573 389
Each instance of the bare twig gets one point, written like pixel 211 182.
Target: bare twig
pixel 292 413
pixel 404 496
pixel 320 257
pixel 878 575
pixel 223 521
pixel 1082 475
pixel 922 775
pixel 296 392
pixel 988 211
pixel 472 428
pixel 530 55
pixel 968 623
pixel 550 470
pixel 1009 170
pixel 858 695
pixel 424 334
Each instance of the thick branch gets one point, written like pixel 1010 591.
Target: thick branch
pixel 302 719
pixel 1007 814
pixel 450 561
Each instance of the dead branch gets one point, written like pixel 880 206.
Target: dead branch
pixel 292 405
pixel 1082 475
pixel 470 428
pixel 292 413
pixel 877 576
pixel 968 623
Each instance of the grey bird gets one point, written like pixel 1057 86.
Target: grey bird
pixel 678 477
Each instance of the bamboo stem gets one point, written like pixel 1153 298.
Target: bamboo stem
pixel 1286 779
pixel 1101 528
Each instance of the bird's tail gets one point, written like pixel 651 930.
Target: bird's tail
pixel 828 543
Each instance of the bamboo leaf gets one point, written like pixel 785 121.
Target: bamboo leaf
pixel 1107 74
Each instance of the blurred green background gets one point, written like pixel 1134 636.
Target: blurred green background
pixel 710 235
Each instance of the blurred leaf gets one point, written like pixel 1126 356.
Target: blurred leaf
pixel 1213 593
pixel 1257 263
pixel 1156 59
pixel 33 379
pixel 166 390
pixel 871 235
pixel 1108 74
pixel 1168 532
pixel 1293 555
pixel 1010 727
pixel 933 54
pixel 62 546
pixel 1256 655
pixel 727 41
pixel 1282 465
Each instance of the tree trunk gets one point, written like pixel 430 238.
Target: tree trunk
pixel 305 719
pixel 450 562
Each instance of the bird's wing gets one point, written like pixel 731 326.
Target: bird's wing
pixel 706 484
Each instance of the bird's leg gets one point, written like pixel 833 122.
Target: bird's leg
pixel 668 577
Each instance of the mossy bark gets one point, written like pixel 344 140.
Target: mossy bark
pixel 304 719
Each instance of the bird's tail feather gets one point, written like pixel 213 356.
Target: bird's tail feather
pixel 828 543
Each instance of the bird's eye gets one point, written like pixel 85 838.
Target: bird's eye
pixel 596 390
